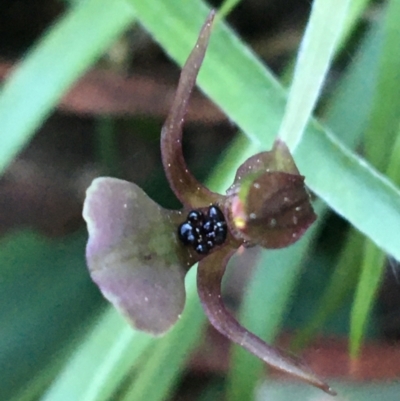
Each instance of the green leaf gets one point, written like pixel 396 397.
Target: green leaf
pixel 383 121
pixel 341 283
pixel 43 285
pixel 61 56
pixel 380 136
pixel 317 49
pixel 226 7
pixel 97 367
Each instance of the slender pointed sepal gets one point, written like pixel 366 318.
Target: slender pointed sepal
pixel 209 278
pixel 186 187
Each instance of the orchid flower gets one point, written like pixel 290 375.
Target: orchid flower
pixel 138 252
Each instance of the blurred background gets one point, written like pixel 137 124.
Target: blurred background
pixel 108 124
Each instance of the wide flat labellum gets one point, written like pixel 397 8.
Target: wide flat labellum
pixel 134 255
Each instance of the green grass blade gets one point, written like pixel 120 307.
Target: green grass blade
pixel 43 284
pixel 102 360
pixel 358 82
pixel 234 78
pixel 73 44
pixel 383 122
pixel 353 15
pixel 342 283
pixel 393 168
pixel 226 7
pixel 106 146
pixel 380 136
pixel 370 278
pixel 316 51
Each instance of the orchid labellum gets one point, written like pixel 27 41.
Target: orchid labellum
pixel 138 253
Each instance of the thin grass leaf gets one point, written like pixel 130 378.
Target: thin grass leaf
pixel 101 361
pixel 226 7
pixel 44 284
pixel 380 135
pixel 383 121
pixel 341 284
pixel 357 83
pixel 316 51
pixel 393 168
pixel 246 91
pixel 354 13
pixel 373 265
pixel 69 48
pixel 369 281
pixel 106 146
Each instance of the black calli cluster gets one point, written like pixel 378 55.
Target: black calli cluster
pixel 203 231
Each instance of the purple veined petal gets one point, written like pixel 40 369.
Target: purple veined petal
pixel 186 187
pixel 272 210
pixel 134 255
pixel 268 203
pixel 209 278
pixel 277 159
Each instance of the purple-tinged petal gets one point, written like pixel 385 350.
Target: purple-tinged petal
pixel 186 187
pixel 273 212
pixel 209 278
pixel 134 255
pixel 277 159
pixel 268 204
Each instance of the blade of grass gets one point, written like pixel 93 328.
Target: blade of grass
pixel 370 278
pixel 316 51
pixel 251 97
pixel 101 361
pixel 43 284
pixel 72 45
pixel 383 124
pixel 343 280
pixel 106 146
pixel 372 267
pixel 348 123
pixel 358 82
pixel 226 7
pixel 393 168
pixel 353 15
pixel 352 18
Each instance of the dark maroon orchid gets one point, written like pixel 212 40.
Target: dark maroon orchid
pixel 138 253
